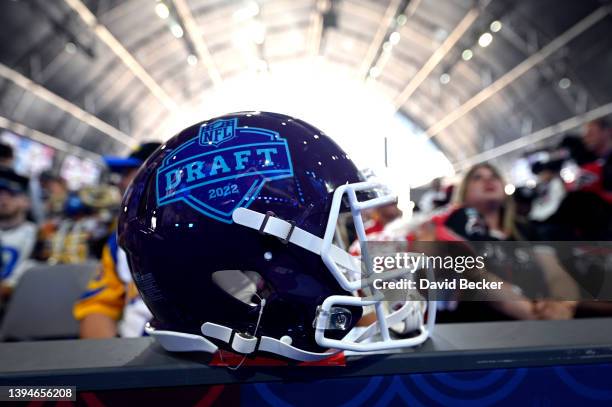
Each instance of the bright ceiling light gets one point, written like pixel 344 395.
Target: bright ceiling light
pixel 250 10
pixel 249 33
pixel 401 20
pixel 394 38
pixel 162 11
pixel 565 83
pixel 192 60
pixel 70 47
pixel 387 46
pixel 467 54
pixel 348 44
pixel 496 26
pixel 445 79
pixel 485 40
pixel 177 30
pixel 375 72
pixel 296 39
pixel 258 32
pixel 509 189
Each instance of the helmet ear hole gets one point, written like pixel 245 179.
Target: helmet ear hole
pixel 242 285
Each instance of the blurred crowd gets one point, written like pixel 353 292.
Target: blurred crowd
pixel 42 221
pixel 570 201
pixel 70 227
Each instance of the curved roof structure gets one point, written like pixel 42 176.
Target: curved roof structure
pixel 481 78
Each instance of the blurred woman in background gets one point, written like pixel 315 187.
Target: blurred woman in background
pixel 483 212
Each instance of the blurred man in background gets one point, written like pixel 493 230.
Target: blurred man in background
pixel 111 304
pixel 597 138
pixel 585 213
pixel 54 194
pixel 596 176
pixel 550 190
pixel 17 235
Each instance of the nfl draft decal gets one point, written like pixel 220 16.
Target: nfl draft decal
pixel 223 168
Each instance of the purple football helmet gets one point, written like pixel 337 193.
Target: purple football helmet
pixel 229 231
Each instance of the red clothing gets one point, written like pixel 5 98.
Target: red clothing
pixel 591 179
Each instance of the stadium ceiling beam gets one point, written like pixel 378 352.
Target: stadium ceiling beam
pixel 121 52
pixel 518 71
pixel 69 107
pixel 44 138
pixel 530 139
pixel 315 34
pixel 438 55
pixel 195 34
pixel 379 36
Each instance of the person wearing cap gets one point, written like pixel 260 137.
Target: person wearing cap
pixel 111 305
pixel 17 234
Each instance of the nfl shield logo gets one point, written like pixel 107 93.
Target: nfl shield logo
pixel 215 133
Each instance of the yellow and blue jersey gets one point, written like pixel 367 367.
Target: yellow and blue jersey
pixel 112 292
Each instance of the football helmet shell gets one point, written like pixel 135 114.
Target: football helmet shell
pixel 255 194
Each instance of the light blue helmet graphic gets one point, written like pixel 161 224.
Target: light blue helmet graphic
pixel 223 168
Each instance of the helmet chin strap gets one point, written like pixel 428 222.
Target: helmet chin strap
pixel 173 341
pixel 247 338
pixel 240 342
